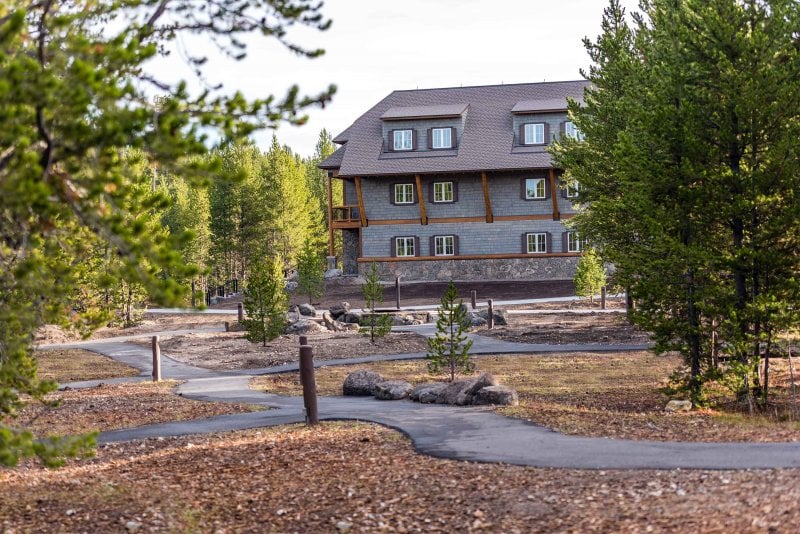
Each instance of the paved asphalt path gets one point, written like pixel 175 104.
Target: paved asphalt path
pixel 464 433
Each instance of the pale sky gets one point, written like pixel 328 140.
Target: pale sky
pixel 377 46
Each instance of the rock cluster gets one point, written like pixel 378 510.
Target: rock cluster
pixel 482 390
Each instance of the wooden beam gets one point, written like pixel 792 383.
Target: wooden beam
pixel 486 200
pixel 553 193
pixel 331 251
pixel 472 257
pixel 423 217
pixel 386 222
pixel 361 213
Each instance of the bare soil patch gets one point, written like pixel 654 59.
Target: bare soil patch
pixel 561 328
pixel 602 395
pixel 109 407
pixel 368 478
pixel 73 365
pixel 230 350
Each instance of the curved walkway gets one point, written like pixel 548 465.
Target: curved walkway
pixel 464 433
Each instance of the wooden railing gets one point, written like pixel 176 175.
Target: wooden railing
pixel 346 216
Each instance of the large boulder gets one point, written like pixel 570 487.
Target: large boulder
pixel 497 395
pixel 483 381
pixel 304 326
pixel 351 317
pixel 500 316
pixel 428 393
pixel 307 309
pixel 291 286
pixel 402 319
pixel 333 273
pixel 456 392
pixel 337 310
pixel 361 382
pixel 392 390
pixel 678 406
pixel 476 319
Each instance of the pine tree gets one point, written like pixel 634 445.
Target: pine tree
pixel 310 271
pixel 376 324
pixel 265 301
pixel 449 349
pixel 590 275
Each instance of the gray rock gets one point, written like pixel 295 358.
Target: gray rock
pixel 348 327
pixel 392 390
pixel 333 273
pixel 361 382
pixel 678 406
pixel 304 326
pixel 428 393
pixel 500 316
pixel 477 320
pixel 402 320
pixel 307 309
pixel 497 395
pixel 330 323
pixel 456 392
pixel 337 310
pixel 351 317
pixel 484 380
pixel 291 286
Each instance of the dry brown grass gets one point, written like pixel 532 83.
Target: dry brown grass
pixel 73 365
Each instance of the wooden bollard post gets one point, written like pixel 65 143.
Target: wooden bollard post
pixel 603 298
pixel 240 312
pixel 156 360
pixel 397 292
pixel 303 340
pixel 490 315
pixel 474 297
pixel 194 295
pixel 309 384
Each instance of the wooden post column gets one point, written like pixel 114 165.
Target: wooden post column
pixel 486 200
pixel 554 194
pixel 423 217
pixel 331 251
pixel 361 213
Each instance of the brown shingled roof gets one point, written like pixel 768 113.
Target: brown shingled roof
pixel 423 112
pixel 485 144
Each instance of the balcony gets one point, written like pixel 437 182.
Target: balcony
pixel 346 217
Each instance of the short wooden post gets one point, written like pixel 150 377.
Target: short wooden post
pixel 194 295
pixel 397 292
pixel 603 298
pixel 227 326
pixel 303 340
pixel 490 316
pixel 240 312
pixel 156 360
pixel 474 297
pixel 309 384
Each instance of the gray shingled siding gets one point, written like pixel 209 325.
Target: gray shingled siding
pixel 504 237
pixel 469 191
pixel 420 127
pixel 553 120
pixel 377 199
pixel 505 192
pixel 350 193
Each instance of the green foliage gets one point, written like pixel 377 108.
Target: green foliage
pixel 689 171
pixel 78 132
pixel 590 275
pixel 265 301
pixel 310 271
pixel 373 323
pixel 449 349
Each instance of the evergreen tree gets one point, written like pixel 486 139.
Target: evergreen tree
pixel 265 301
pixel 74 99
pixel 374 323
pixel 449 349
pixel 590 275
pixel 310 271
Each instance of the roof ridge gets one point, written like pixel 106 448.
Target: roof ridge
pixel 486 86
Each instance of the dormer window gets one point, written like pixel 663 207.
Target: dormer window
pixel 572 131
pixel 533 134
pixel 403 139
pixel 441 138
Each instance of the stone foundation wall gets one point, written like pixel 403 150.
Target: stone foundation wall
pixel 350 252
pixel 534 269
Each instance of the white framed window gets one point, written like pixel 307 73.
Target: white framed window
pixel 404 247
pixel 444 245
pixel 403 193
pixel 570 130
pixel 537 243
pixel 443 192
pixel 535 188
pixel 575 243
pixel 572 189
pixel 534 134
pixel 442 138
pixel 403 139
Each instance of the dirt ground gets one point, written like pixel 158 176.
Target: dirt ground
pixel 230 350
pixel 563 328
pixel 342 477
